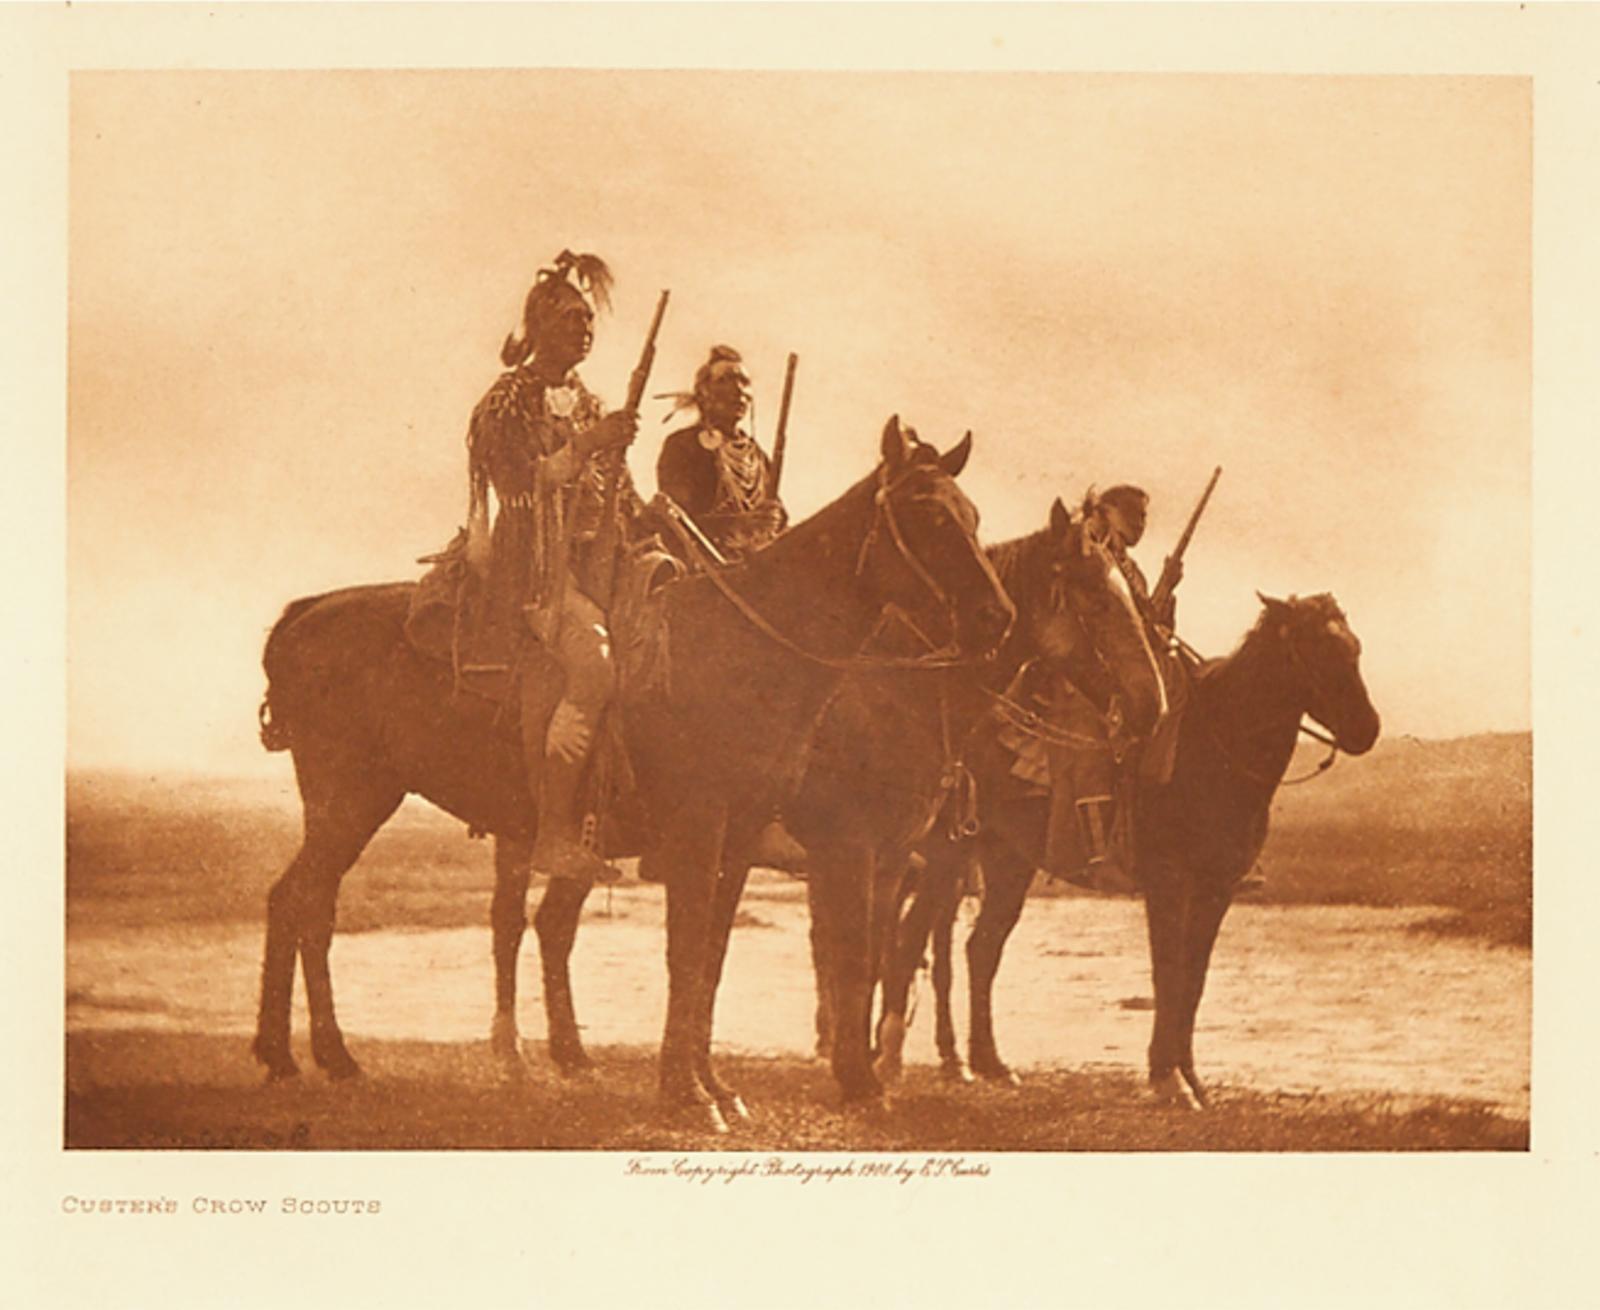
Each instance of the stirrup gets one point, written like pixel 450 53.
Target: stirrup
pixel 572 860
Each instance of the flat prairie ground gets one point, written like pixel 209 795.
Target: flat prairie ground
pixel 1390 1012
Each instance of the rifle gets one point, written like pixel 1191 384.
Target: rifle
pixel 782 436
pixel 1167 583
pixel 602 562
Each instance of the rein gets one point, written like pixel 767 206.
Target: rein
pixel 883 509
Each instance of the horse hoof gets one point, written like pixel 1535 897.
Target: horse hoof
pixel 575 1066
pixel 700 1116
pixel 734 1110
pixel 275 1057
pixel 956 1071
pixel 1001 1077
pixel 513 1066
pixel 1169 1091
pixel 342 1071
pixel 869 1109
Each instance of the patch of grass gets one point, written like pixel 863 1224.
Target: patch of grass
pixel 156 1091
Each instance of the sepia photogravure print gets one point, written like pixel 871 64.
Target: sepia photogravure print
pixel 823 625
pixel 844 531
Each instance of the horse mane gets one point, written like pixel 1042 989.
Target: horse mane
pixel 1259 634
pixel 1010 559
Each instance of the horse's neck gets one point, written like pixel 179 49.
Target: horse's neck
pixel 806 582
pixel 1252 702
pixel 773 665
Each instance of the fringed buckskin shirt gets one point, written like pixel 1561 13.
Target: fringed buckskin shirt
pixel 517 430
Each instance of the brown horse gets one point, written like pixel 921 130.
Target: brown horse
pixel 893 752
pixel 884 761
pixel 368 720
pixel 1198 835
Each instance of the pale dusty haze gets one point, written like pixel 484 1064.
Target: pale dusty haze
pixel 289 289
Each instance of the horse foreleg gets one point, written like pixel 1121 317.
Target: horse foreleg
pixel 508 918
pixel 1005 890
pixel 1206 912
pixel 556 923
pixel 822 975
pixel 844 878
pixel 690 856
pixel 903 957
pixel 946 908
pixel 1166 906
pixel 902 953
pixel 724 907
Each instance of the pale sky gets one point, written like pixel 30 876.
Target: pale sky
pixel 288 290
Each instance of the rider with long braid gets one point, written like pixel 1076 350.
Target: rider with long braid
pixel 537 439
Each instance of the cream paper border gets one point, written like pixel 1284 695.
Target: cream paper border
pixel 477 1229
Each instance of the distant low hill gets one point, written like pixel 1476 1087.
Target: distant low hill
pixel 1415 822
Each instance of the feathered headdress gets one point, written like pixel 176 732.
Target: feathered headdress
pixel 589 275
pixel 723 359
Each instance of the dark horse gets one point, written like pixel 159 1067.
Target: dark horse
pixel 889 769
pixel 885 759
pixel 1197 835
pixel 368 720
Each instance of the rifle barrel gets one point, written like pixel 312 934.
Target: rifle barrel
pixel 780 439
pixel 604 551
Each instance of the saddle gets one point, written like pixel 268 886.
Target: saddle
pixel 451 622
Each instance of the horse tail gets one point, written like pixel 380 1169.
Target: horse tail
pixel 274 727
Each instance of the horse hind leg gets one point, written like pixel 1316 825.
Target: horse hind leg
pixel 338 829
pixel 508 920
pixel 1167 914
pixel 556 923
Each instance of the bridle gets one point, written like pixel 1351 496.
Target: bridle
pixel 1326 763
pixel 883 515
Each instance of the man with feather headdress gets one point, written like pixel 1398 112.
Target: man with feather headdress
pixel 537 439
pixel 714 469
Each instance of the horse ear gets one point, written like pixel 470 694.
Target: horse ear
pixel 895 447
pixel 1272 603
pixel 955 459
pixel 1060 520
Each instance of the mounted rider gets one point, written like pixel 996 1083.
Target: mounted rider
pixel 543 443
pixel 1101 780
pixel 715 472
pixel 714 469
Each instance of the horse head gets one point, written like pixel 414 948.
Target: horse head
pixel 920 556
pixel 1073 614
pixel 1324 660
